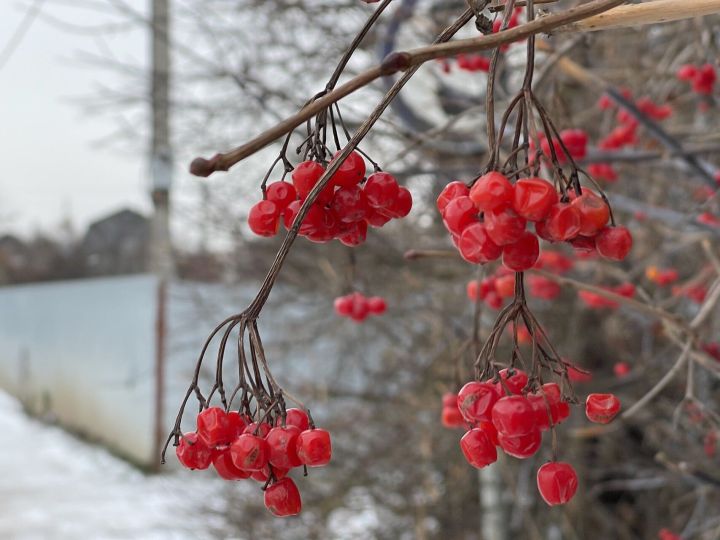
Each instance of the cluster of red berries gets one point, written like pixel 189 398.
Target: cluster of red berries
pixel 490 219
pixel 239 448
pixel 701 77
pixel 595 300
pixel 505 414
pixel 358 307
pixel 501 285
pixel 342 211
pixel 697 292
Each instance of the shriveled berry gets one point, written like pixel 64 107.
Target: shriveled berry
pixel 249 452
pixel 523 254
pixel 262 429
pixel 282 445
pixel 513 416
pixel 193 453
pixel 237 422
pixel 264 218
pixel 478 449
pixel 521 446
pixel 602 408
pixel 476 401
pixel 563 222
pixel 349 204
pixel 492 191
pixel 504 226
pixel 213 427
pixel 475 245
pixel 314 447
pixel 452 191
pixel 614 243
pixel 557 482
pixel 381 190
pixel 283 498
pixel 353 234
pixel 533 198
pixel 351 172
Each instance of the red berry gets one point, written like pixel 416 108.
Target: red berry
pixel 515 380
pixel 475 245
pixel 533 198
pixel 381 190
pixel 505 286
pixel 476 401
pixel 451 417
pixel 353 234
pixel 563 222
pixel 521 446
pixel 249 452
pixel 401 206
pixel 450 192
pixel 513 416
pixel 458 214
pixel 314 448
pixel 523 254
pixel 667 534
pixel 222 461
pixel 504 226
pixel 594 212
pixel 295 417
pixel 542 287
pixel 478 449
pixel 213 427
pixel 193 453
pixel 614 243
pixel 282 445
pixel 264 474
pixel 686 72
pixel 304 178
pixel 283 498
pixel 360 308
pixel 237 423
pixel 557 482
pixel 264 218
pixel 281 193
pixel 343 305
pixel 601 408
pixel 262 429
pixel 377 305
pixel 492 191
pixel 376 218
pixel 493 300
pixel 351 172
pixel 349 204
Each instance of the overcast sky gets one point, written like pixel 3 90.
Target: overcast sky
pixel 51 163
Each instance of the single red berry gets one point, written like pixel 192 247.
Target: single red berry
pixel 249 452
pixel 267 471
pixel 476 401
pixel 450 192
pixel 304 178
pixel 349 204
pixel 505 286
pixel 351 172
pixel 513 416
pixel 493 300
pixel 328 226
pixel 504 226
pixel 282 445
pixel 343 305
pixel 563 222
pixel 314 218
pixel 687 72
pixel 314 448
pixel 533 198
pixel 375 218
pixel 262 429
pixel 541 229
pixel 283 498
pixel 213 427
pixel 451 417
pixel 557 482
pixel 523 254
pixel 594 212
pixel 542 409
pixel 377 305
pixel 237 423
pixel 458 214
pixel 381 190
pixel 515 380
pixel 475 245
pixel 281 193
pixel 583 245
pixel 521 446
pixel 614 243
pixel 360 308
pixel 353 234
pixel 602 408
pixel 542 287
pixel 222 461
pixel 294 417
pixel 478 449
pixel 401 206
pixel 492 191
pixel 193 453
pixel 264 218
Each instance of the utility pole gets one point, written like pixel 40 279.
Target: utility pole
pixel 161 260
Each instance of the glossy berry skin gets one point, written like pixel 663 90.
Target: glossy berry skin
pixel 264 218
pixel 452 191
pixel 594 212
pixel 492 191
pixel 458 214
pixel 343 305
pixel 283 498
pixel 381 190
pixel 295 417
pixel 514 379
pixel 614 243
pixel 504 226
pixel 601 408
pixel 376 218
pixel 353 234
pixel 377 305
pixel 401 206
pixel 557 482
pixel 513 416
pixel 314 448
pixel 304 178
pixel 351 172
pixel 213 427
pixel 476 401
pixel 237 422
pixel 281 193
pixel 193 453
pixel 226 469
pixel 478 449
pixel 350 204
pixel 249 452
pixel 533 198
pixel 521 446
pixel 262 429
pixel 563 222
pixel 475 245
pixel 282 444
pixel 523 254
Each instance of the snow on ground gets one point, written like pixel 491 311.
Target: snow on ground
pixel 55 487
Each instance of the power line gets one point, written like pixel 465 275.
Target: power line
pixel 20 32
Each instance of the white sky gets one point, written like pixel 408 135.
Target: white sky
pixel 51 163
